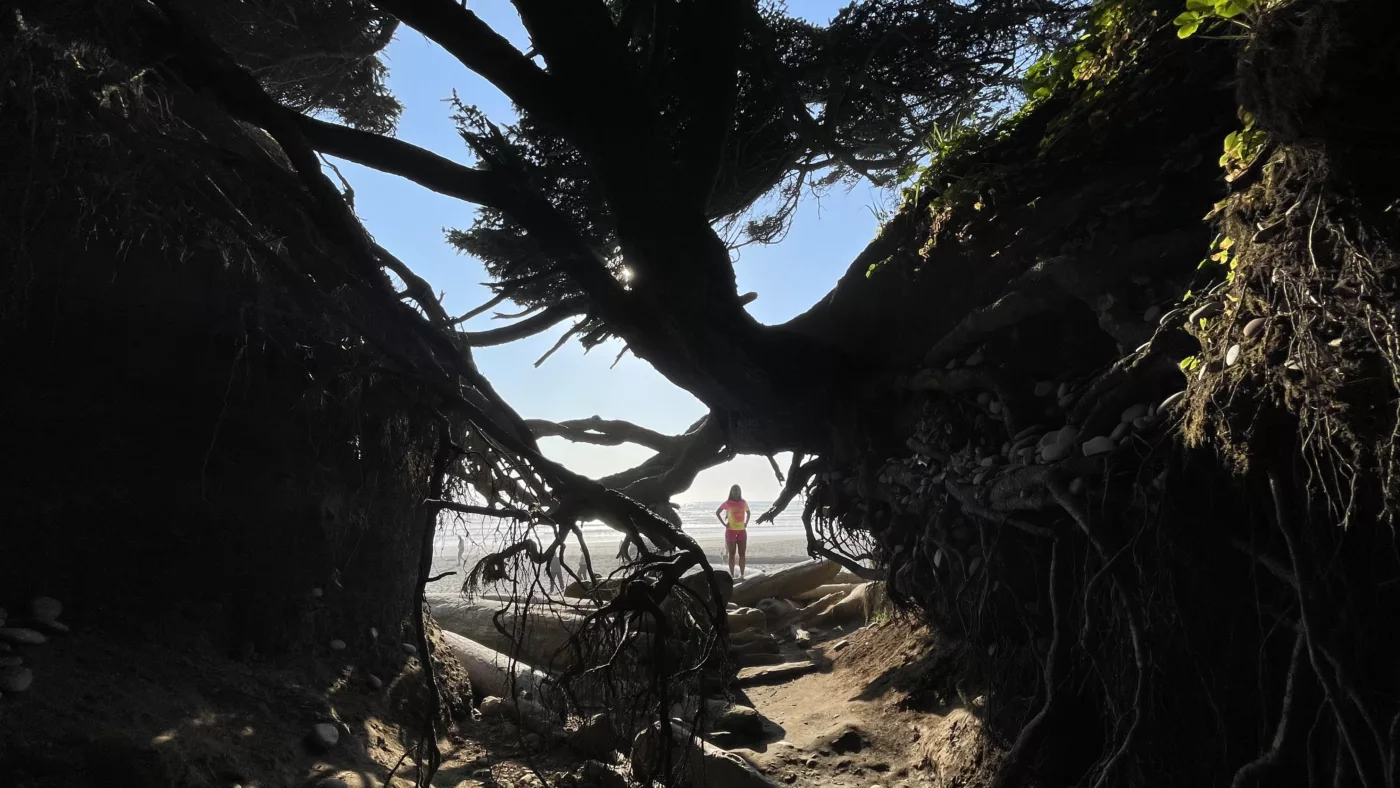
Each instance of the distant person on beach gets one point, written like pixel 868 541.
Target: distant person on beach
pixel 733 514
pixel 556 568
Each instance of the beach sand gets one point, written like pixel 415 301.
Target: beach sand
pixel 766 552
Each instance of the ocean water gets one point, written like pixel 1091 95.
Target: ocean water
pixel 697 519
pixel 463 539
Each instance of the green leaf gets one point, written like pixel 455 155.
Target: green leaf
pixel 1230 8
pixel 1187 24
pixel 1200 5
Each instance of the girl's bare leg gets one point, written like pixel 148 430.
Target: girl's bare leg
pixel 742 548
pixel 731 546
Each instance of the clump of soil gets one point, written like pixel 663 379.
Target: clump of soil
pixel 111 712
pixel 873 719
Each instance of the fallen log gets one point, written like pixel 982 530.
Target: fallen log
pixel 860 604
pixel 518 685
pixel 536 636
pixel 786 583
pixel 813 594
pixel 746 618
pixel 706 765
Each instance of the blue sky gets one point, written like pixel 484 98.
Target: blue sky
pixel 410 221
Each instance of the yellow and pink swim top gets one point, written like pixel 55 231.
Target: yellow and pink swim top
pixel 735 514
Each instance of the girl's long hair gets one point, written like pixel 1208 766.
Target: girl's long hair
pixel 735 494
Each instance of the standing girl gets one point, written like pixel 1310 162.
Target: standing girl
pixel 733 514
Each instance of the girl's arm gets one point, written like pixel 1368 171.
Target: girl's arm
pixel 719 515
pixel 746 515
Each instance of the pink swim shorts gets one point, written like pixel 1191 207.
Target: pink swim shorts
pixel 736 536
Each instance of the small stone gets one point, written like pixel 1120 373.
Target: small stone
pixel 838 645
pixel 1057 451
pixel 325 735
pixel 1205 311
pixel 317 593
pixel 1232 355
pixel 45 608
pixel 482 775
pixel 995 407
pixel 1170 401
pixel 982 474
pixel 1254 327
pixel 16 679
pixel 1044 387
pixel 813 763
pixel 1134 412
pixel 992 650
pixel 1119 431
pixel 1063 389
pixel 1105 302
pixel 1077 486
pixel 1142 423
pixel 789 777
pixel 1048 439
pixel 332 782
pixel 337 645
pixel 534 741
pixel 11 661
pixel 974 359
pixel 20 636
pixel 1152 313
pixel 984 397
pixel 409 648
pixel 490 706
pixel 1098 445
pixel 952 364
pixel 375 681
pixel 988 461
pixel 373 633
pixel 1064 403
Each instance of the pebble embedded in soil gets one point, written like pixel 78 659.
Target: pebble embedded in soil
pixel 337 645
pixel 15 679
pixel 984 397
pixel 373 633
pixel 1098 445
pixel 20 636
pixel 332 782
pixel 1254 327
pixel 45 608
pixel 325 735
pixel 1077 486
pixel 1152 313
pixel 1057 451
pixel 376 682
pixel 974 359
pixel 1064 402
pixel 409 648
pixel 1232 355
pixel 317 593
pixel 995 407
pixel 1134 412
pixel 12 661
pixel 490 705
pixel 1044 387
pixel 534 741
pixel 1142 423
pixel 952 364
pixel 1170 401
pixel 1205 311
pixel 1120 430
